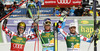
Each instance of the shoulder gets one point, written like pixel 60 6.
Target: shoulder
pixel 39 2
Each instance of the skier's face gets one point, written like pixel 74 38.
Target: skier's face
pixel 47 27
pixel 36 1
pixel 21 29
pixel 72 29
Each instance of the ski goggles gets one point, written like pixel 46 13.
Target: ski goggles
pixel 47 23
pixel 21 28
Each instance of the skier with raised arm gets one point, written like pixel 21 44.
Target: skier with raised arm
pixel 18 39
pixel 46 35
pixel 73 39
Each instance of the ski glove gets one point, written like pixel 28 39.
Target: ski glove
pixel 5 23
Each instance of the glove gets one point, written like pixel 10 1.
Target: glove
pixel 35 28
pixel 5 23
pixel 93 37
pixel 55 26
pixel 63 19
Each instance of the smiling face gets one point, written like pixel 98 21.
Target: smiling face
pixel 47 27
pixel 21 30
pixel 72 30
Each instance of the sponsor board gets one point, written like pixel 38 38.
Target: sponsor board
pixel 23 11
pixel 86 28
pixel 62 2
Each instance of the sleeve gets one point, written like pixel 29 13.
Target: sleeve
pixel 27 5
pixel 62 25
pixel 31 33
pixel 60 28
pixel 31 36
pixel 35 5
pixel 8 32
pixel 32 29
pixel 82 38
pixel 63 33
pixel 39 4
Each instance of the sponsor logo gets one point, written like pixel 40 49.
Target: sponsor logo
pixel 75 2
pixel 17 46
pixel 85 22
pixel 17 11
pixel 72 38
pixel 45 11
pixel 19 38
pixel 50 2
pixel 48 34
pixel 63 1
pixel 17 21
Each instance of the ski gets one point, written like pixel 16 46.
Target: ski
pixel 30 13
pixel 55 25
pixel 12 11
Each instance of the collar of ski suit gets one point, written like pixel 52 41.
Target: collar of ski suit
pixel 47 30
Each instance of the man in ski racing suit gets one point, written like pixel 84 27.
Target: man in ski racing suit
pixel 18 39
pixel 46 35
pixel 73 39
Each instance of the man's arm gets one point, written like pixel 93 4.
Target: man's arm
pixel 61 25
pixel 32 33
pixel 6 30
pixel 35 4
pixel 34 27
pixel 82 38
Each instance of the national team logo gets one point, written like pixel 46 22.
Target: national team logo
pixel 63 1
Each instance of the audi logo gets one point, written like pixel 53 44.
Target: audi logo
pixel 17 46
pixel 64 1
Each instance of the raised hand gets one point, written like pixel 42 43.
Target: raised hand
pixel 5 23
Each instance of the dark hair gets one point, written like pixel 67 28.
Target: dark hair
pixel 31 0
pixel 15 2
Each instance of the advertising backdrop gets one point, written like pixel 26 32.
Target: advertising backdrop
pixel 23 11
pixel 62 2
pixel 86 28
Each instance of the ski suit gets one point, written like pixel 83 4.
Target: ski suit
pixel 73 40
pixel 47 38
pixel 17 42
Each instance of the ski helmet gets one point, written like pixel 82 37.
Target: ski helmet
pixel 21 24
pixel 47 21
